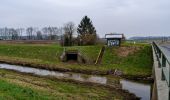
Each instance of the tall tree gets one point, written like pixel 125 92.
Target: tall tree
pixel 45 32
pixel 86 32
pixel 69 29
pixel 20 32
pixel 39 35
pixel 29 32
pixel 13 34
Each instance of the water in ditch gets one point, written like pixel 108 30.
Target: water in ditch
pixel 139 89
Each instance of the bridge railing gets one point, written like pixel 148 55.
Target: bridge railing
pixel 163 62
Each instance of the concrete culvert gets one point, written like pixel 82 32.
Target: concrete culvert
pixel 73 56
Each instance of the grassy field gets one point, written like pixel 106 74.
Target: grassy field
pixel 16 86
pixel 131 59
pixel 49 53
pixel 46 53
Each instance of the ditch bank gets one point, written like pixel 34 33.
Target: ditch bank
pixel 126 88
pixel 53 67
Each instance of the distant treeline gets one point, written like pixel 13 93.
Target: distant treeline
pixel 31 33
pixel 86 33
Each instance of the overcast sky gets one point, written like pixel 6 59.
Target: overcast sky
pixel 131 17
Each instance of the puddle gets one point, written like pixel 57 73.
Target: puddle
pixel 139 89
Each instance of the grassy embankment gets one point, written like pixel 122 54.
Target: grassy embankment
pixel 131 59
pixel 18 86
pixel 135 60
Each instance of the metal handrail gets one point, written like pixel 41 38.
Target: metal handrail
pixel 162 59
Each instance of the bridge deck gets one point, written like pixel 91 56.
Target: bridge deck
pixel 166 50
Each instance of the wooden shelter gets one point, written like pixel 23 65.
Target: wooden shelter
pixel 114 39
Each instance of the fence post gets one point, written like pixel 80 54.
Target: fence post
pixel 163 76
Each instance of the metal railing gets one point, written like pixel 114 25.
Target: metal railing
pixel 163 63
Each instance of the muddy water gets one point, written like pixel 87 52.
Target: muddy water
pixel 43 72
pixel 139 89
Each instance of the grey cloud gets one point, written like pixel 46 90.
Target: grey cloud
pixel 132 17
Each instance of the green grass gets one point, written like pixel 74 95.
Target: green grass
pixel 46 53
pixel 15 86
pixel 137 63
pixel 90 53
pixel 15 92
pixel 49 53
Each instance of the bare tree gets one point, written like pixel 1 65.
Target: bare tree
pixel 6 33
pixel 14 34
pixel 69 29
pixel 29 32
pixel 20 32
pixel 55 33
pixel 39 35
pixel 45 32
pixel 1 34
pixel 50 32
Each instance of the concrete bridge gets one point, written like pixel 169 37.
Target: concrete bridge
pixel 161 71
